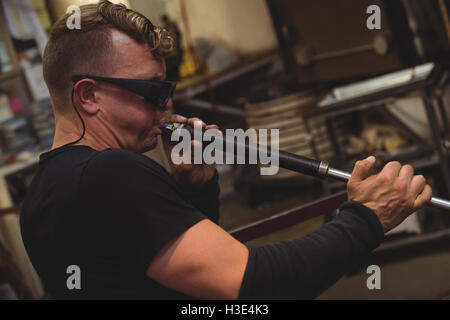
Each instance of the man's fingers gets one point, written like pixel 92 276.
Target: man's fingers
pixel 406 173
pixel 423 198
pixel 191 121
pixel 177 118
pixel 212 126
pixel 417 185
pixel 389 173
pixel 392 168
pixel 195 122
pixel 362 169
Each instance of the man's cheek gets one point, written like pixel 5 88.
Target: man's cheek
pixel 144 116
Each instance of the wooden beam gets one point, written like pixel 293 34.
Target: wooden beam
pixel 288 218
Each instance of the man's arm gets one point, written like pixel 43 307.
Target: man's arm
pixel 207 263
pixel 204 262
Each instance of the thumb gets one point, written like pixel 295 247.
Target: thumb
pixel 177 118
pixel 362 169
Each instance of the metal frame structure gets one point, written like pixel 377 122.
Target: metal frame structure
pixel 436 81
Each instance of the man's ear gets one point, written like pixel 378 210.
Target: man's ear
pixel 85 98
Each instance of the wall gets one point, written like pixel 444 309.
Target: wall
pixel 245 26
pixel 59 7
pixel 152 9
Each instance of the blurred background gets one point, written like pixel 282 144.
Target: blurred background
pixel 340 82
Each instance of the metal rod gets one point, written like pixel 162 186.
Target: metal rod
pixel 338 174
pixel 345 176
pixel 298 163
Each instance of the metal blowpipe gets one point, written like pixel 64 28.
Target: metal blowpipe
pixel 302 164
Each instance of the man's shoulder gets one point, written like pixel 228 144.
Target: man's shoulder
pixel 116 161
pixel 112 156
pixel 121 176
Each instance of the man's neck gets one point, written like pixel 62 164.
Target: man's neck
pixel 66 133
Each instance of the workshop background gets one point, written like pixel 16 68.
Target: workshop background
pixel 338 87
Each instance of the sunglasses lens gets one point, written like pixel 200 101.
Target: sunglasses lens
pixel 159 102
pixel 162 100
pixel 165 94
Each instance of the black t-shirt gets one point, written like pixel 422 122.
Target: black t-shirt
pixel 109 213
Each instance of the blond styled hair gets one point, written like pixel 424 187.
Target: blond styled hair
pixel 89 50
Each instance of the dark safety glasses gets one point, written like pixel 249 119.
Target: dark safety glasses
pixel 155 92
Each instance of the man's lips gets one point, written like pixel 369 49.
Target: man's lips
pixel 162 123
pixel 157 130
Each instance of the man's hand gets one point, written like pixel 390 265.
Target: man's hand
pixel 393 194
pixel 189 174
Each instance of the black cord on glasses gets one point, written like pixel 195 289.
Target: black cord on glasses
pixel 79 116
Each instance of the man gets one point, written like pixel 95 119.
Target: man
pixel 98 206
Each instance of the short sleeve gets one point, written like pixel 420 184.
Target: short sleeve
pixel 135 206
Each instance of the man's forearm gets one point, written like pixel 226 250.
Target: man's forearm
pixel 305 267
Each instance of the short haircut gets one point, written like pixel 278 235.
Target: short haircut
pixel 89 50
